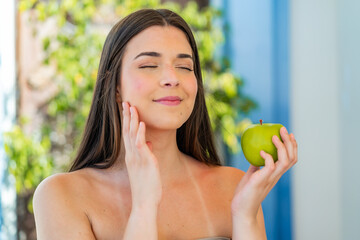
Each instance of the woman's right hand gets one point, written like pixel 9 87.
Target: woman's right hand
pixel 141 163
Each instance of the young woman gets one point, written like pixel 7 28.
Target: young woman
pixel 147 167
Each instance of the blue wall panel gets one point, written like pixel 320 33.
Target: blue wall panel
pixel 258 46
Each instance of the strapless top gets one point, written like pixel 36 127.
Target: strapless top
pixel 215 238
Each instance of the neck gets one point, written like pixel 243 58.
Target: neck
pixel 164 147
pixel 171 161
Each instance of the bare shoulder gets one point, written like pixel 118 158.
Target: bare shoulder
pixel 222 179
pixel 221 174
pixel 52 183
pixel 227 173
pixel 62 182
pixel 57 208
pixel 59 187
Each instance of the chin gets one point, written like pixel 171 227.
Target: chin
pixel 164 123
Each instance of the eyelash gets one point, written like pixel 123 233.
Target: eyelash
pixel 185 68
pixel 148 67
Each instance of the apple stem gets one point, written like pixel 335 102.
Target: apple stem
pixel 260 121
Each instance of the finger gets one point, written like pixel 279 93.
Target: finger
pixel 271 176
pixel 264 174
pixel 252 169
pixel 142 145
pixel 140 137
pixel 283 162
pixel 126 124
pixel 269 162
pixel 293 140
pixel 287 142
pixel 134 123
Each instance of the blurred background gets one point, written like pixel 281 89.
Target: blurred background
pixel 295 62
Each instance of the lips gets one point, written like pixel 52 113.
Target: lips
pixel 169 100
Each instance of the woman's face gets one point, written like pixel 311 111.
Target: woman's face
pixel 157 77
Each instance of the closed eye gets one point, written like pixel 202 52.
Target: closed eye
pixel 148 66
pixel 186 68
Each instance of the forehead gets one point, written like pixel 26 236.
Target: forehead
pixel 162 39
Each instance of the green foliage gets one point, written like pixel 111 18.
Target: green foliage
pixel 75 51
pixel 30 158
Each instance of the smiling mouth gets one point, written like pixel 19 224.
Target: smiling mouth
pixel 169 101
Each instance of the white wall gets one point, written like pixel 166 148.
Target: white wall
pixel 349 55
pixel 325 111
pixel 7 114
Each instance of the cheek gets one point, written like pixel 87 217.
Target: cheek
pixel 138 85
pixel 193 88
pixel 132 87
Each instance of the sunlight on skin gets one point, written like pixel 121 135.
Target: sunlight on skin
pixel 205 211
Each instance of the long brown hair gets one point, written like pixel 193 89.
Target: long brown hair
pixel 101 142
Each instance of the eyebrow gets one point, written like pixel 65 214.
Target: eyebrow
pixel 184 55
pixel 156 54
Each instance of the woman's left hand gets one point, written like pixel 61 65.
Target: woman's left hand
pixel 257 183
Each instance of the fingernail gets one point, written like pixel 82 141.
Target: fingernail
pixel 131 110
pixel 123 105
pixel 285 130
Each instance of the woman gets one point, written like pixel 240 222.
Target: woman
pixel 147 167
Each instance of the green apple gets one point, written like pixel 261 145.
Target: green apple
pixel 258 137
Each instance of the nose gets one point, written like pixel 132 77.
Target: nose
pixel 169 78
